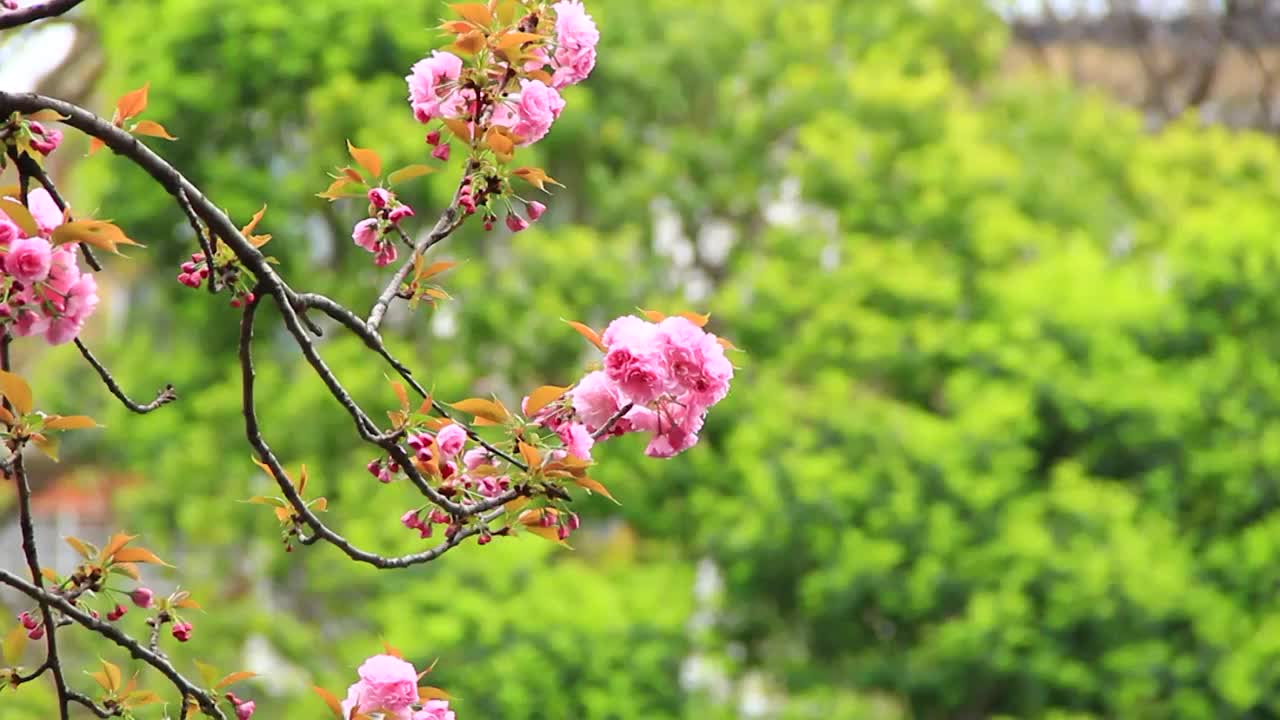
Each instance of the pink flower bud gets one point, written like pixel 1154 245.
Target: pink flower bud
pixel 535 209
pixel 142 597
pixel 488 224
pixel 399 213
pixel 563 532
pixel 244 710
pixel 439 517
pixel 379 197
pixel 235 302
pixel 374 467
pixel 117 612
pixel 249 297
pixel 425 531
pixel 516 223
pixel 182 631
pixel 188 267
pixel 547 519
pixel 48 143
pixel 27 621
pixel 574 522
pixel 36 633
pixel 433 137
pixel 410 519
pixel 441 152
pixel 447 469
pixel 484 540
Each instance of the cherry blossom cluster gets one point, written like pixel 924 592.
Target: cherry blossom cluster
pixel 375 233
pixel 41 285
pixel 657 377
pixel 388 688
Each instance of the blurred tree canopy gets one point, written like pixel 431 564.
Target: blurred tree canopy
pixel 1006 438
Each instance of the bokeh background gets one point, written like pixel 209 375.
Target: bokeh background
pixel 1006 437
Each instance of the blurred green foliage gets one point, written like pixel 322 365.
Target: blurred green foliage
pixel 1005 442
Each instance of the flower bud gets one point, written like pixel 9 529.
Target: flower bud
pixel 574 523
pixel 374 467
pixel 142 597
pixel 433 137
pixel 516 223
pixel 36 633
pixel 182 631
pixel 379 197
pixel 27 621
pixel 399 213
pixel 410 519
pixel 535 209
pixel 441 152
pixel 244 710
pixel 563 532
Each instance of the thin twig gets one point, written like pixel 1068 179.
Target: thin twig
pixel 608 425
pixel 164 397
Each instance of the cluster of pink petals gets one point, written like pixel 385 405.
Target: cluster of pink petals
pixel 576 39
pixel 389 686
pixel 670 373
pixel 45 292
pixel 530 115
pixel 433 85
pixel 372 233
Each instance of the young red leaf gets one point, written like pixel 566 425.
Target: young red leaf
pixel 80 547
pixel 435 268
pixel 461 128
pixel 234 677
pixel 391 650
pixel 17 391
pixel 589 334
pixel 515 39
pixel 548 533
pixel 116 542
pixel 330 700
pixel 132 103
pixel 98 233
pixel 150 128
pixel 653 315
pixel 95 144
pixel 113 676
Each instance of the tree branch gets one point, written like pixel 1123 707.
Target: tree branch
pixel 164 397
pixel 32 13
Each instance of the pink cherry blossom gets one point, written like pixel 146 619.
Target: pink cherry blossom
pixel 538 107
pixel 399 212
pixel 677 430
pixel 596 399
pixel 8 231
pixel 696 363
pixel 82 298
pixel 44 210
pixel 429 80
pixel 577 440
pixel 435 710
pixel 475 457
pixel 365 234
pixel 63 270
pixel 576 39
pixel 28 322
pixel 451 439
pixel 386 683
pixel 633 361
pixel 28 259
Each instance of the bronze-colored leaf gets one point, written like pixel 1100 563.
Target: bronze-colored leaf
pixel 46 115
pixel 334 190
pixel 116 542
pixel 653 315
pixel 319 504
pixel 80 546
pixel 95 144
pixel 138 555
pixel 127 569
pixel 69 422
pixel 409 172
pixel 330 700
pixel 132 103
pixel 14 642
pixel 460 128
pixel 20 216
pixel 535 177
pixel 477 13
pixel 516 39
pixel 548 533
pixel 187 603
pixel 500 143
pixel 696 318
pixel 402 395
pixel 17 391
pixel 435 268
pixel 595 487
pixel 426 692
pixel 481 408
pixel 542 397
pixel 47 444
pixel 140 698
pixel 530 454
pixel 589 334
pixel 98 233
pixel 234 677
pixel 113 676
pixel 150 128
pixel 366 158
